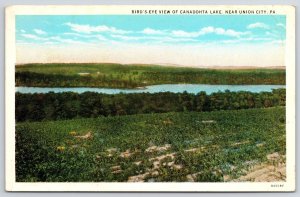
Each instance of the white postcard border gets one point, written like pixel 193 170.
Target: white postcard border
pixel 10 59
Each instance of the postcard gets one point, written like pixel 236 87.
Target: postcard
pixel 150 98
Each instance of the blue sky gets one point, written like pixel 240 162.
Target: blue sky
pixel 121 31
pixel 150 29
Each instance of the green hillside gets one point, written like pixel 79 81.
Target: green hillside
pixel 192 146
pixel 133 76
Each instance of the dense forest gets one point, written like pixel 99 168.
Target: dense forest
pixel 133 76
pixel 60 106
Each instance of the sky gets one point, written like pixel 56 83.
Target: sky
pixel 186 40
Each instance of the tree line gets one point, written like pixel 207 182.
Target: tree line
pixel 32 79
pixel 68 105
pixel 134 79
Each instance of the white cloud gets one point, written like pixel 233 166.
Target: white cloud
pixel 239 40
pixel 280 25
pixel 33 37
pixel 49 43
pixel 66 41
pixel 153 39
pixel 230 32
pixel 271 34
pixel 97 36
pixel 203 31
pixel 181 33
pixel 172 39
pixel 258 25
pixel 52 40
pixel 22 31
pixel 261 39
pixel 230 41
pixel 279 42
pixel 151 31
pixel 87 29
pixel 39 32
pixel 220 31
pixel 127 38
pixel 90 29
pixel 77 35
pixel 207 30
pixel 100 37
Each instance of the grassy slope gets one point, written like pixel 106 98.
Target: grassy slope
pixel 72 68
pixel 225 147
pixel 130 76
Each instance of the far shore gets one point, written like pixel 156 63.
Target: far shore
pixel 170 65
pixel 244 67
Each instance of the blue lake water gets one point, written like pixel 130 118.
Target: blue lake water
pixel 175 88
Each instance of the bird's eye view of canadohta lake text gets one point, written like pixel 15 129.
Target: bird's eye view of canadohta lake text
pixel 150 98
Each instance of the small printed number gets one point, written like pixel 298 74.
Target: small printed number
pixel 277 185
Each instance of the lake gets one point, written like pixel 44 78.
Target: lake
pixel 175 88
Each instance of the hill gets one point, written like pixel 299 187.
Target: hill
pixel 134 76
pixel 195 146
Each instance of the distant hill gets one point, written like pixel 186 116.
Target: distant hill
pixel 165 65
pixel 225 67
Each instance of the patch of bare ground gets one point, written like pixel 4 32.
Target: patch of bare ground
pixel 192 177
pixel 88 135
pixel 272 170
pixel 161 157
pixel 114 151
pixel 158 148
pixel 111 151
pixel 260 144
pixel 138 163
pixel 116 169
pixel 157 161
pixel 195 149
pixel 141 177
pixel 166 160
pixel 208 121
pixel 167 122
pixel 240 143
pixel 126 154
pixel 200 149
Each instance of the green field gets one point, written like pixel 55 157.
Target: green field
pixel 133 76
pixel 202 146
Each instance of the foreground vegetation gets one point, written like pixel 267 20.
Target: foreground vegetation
pixel 133 76
pixel 193 146
pixel 60 106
